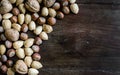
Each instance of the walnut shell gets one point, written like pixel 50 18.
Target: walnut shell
pixel 49 3
pixel 12 34
pixel 32 5
pixel 5 6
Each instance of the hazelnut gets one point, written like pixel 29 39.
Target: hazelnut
pixel 13 19
pixel 8 44
pixel 21 67
pixel 56 6
pixel 23 36
pixel 41 20
pixel 38 41
pixel 32 5
pixel 12 34
pixel 9 63
pixel 3 69
pixel 35 16
pixel 3 58
pixel 60 15
pixel 15 11
pixel 24 28
pixel 36 56
pixel 66 10
pixel 5 6
pixel 51 21
pixel 11 53
pixel 35 48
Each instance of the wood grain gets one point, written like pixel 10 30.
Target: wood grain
pixel 84 44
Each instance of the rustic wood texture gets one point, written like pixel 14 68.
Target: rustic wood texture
pixel 85 44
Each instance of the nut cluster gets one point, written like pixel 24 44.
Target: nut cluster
pixel 17 17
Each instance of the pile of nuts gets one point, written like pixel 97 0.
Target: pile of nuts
pixel 17 18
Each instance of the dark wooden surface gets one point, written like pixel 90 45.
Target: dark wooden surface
pixel 85 44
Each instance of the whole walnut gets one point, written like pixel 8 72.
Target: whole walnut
pixel 49 3
pixel 5 6
pixel 32 5
pixel 12 34
pixel 21 67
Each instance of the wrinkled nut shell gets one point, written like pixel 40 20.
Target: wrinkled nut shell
pixel 5 6
pixel 12 34
pixel 32 5
pixel 21 67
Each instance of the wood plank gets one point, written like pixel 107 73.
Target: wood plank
pixel 84 44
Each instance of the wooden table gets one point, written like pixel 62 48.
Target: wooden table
pixel 85 44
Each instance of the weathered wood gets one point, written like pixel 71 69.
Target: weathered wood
pixel 84 44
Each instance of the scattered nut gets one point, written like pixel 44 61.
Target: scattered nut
pixel 21 18
pixel 52 12
pixel 2 49
pixel 21 67
pixel 38 30
pixel 60 15
pixel 8 44
pixel 51 21
pixel 43 36
pixel 47 28
pixel 11 53
pixel 23 36
pixel 35 48
pixel 66 10
pixel 19 2
pixel 28 60
pixel 6 24
pixel 28 51
pixel 10 71
pixel 32 25
pixel 41 20
pixel 33 71
pixel 35 16
pixel 22 8
pixel 24 28
pixel 27 18
pixel 16 26
pixel 3 58
pixel 29 42
pixel 20 53
pixel 38 41
pixel 17 44
pixel 72 1
pixel 15 11
pixel 9 63
pixel 36 56
pixel 3 69
pixel 13 19
pixel 7 16
pixel 56 6
pixel 44 11
pixel 74 8
pixel 48 3
pixel 36 65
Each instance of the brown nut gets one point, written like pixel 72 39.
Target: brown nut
pixel 24 28
pixel 8 44
pixel 35 16
pixel 13 19
pixel 60 15
pixel 11 53
pixel 48 3
pixel 41 20
pixel 64 2
pixel 12 34
pixel 38 41
pixel 36 56
pixel 15 11
pixel 35 48
pixel 2 37
pixel 3 58
pixel 56 6
pixel 3 69
pixel 21 67
pixel 66 10
pixel 32 5
pixel 1 29
pixel 5 6
pixel 9 63
pixel 23 36
pixel 51 21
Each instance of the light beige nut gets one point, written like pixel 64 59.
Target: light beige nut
pixel 32 5
pixel 12 1
pixel 27 18
pixel 12 34
pixel 40 1
pixel 5 6
pixel 47 28
pixel 21 67
pixel 74 8
pixel 29 42
pixel 7 16
pixel 72 1
pixel 33 71
pixel 21 18
pixel 44 11
pixel 28 60
pixel 6 24
pixel 10 71
pixel 36 65
pixel 20 53
pixel 38 30
pixel 28 51
pixel 52 12
pixel 2 49
pixel 48 3
pixel 19 2
pixel 17 44
pixel 16 26
pixel 22 8
pixel 32 25
pixel 43 35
